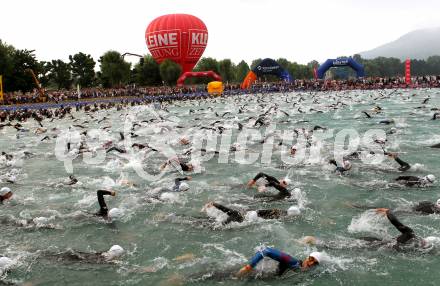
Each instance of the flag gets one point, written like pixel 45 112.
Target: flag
pixel 78 91
pixel 1 88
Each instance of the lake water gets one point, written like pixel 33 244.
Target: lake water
pixel 153 233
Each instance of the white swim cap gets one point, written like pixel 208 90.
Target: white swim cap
pixel 432 240
pixel 4 191
pixel 183 187
pixel 430 178
pixel 317 256
pixel 438 203
pixel 114 252
pixel 252 216
pixel 293 211
pixel 115 213
pixel 5 262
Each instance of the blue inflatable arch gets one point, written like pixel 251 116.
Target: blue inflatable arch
pixel 341 62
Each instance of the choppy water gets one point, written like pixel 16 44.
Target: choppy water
pixel 154 233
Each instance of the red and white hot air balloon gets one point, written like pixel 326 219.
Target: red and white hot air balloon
pixel 178 37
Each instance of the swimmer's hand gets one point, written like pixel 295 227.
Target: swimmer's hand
pixel 382 211
pixel 244 271
pixel 250 183
pixel 391 155
pixel 208 205
pixel 112 193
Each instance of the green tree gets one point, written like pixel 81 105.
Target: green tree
pixel 147 73
pixel 255 63
pixel 207 64
pixel 6 64
pixel 83 69
pixel 20 78
pixel 170 71
pixel 284 63
pixel 241 71
pixel 44 73
pixel 114 70
pixel 60 74
pixel 227 70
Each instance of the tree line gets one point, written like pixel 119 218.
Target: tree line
pixel 114 71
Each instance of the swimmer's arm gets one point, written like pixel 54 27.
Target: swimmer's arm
pixel 394 221
pixel 226 210
pixel 401 163
pixel 101 194
pixel 252 263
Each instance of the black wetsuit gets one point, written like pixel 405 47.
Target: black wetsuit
pixel 177 184
pixel 410 181
pixel 407 238
pixel 236 216
pixel 184 167
pixel 103 210
pixel 272 182
pixel 404 166
pixel 78 257
pixel 338 168
pixel 426 207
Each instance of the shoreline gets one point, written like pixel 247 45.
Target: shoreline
pixel 152 98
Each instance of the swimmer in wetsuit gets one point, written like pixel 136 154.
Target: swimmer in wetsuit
pixel 239 216
pixel 423 207
pixel 103 210
pixel 280 185
pixel 186 167
pixel 426 207
pixel 407 238
pixel 5 194
pixel 285 261
pixel 346 166
pixel 404 166
pixel 72 256
pixel 413 181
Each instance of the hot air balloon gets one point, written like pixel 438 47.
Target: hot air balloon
pixel 181 38
pixel 178 37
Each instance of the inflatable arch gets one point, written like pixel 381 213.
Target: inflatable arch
pixel 266 66
pixel 185 75
pixel 340 62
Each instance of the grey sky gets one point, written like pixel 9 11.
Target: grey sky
pixel 238 29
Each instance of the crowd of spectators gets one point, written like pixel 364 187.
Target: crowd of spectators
pixel 230 89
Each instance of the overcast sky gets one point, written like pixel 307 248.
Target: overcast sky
pixel 238 29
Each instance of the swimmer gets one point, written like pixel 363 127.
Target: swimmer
pixel 5 194
pixel 423 207
pixel 286 262
pixel 413 181
pixel 280 185
pixel 103 210
pixel 426 207
pixel 186 167
pixel 404 166
pixel 407 238
pixel 104 257
pixel 346 166
pixel 179 185
pixel 72 181
pixel 239 216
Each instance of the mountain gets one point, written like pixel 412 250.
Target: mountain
pixel 418 44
